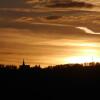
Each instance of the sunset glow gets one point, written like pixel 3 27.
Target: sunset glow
pixel 83 59
pixel 33 30
pixel 87 55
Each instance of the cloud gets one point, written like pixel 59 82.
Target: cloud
pixel 69 3
pixel 61 3
pixel 87 30
pixel 33 3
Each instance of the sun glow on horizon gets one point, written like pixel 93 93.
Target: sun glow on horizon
pixel 86 56
pixel 83 59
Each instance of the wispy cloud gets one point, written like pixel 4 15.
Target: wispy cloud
pixel 87 30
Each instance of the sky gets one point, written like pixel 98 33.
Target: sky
pixel 47 36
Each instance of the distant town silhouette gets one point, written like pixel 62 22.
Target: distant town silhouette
pixel 59 76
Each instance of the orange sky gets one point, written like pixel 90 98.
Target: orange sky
pixel 47 36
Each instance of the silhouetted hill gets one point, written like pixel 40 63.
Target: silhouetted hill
pixel 53 81
pixel 60 76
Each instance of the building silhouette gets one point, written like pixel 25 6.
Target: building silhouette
pixel 24 66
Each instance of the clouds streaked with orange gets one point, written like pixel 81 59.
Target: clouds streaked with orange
pixel 46 36
pixel 19 44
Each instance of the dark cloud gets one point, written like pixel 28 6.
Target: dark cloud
pixel 69 3
pixel 28 4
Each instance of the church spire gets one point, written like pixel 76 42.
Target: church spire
pixel 24 66
pixel 23 62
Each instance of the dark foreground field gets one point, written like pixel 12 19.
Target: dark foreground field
pixel 57 77
pixel 50 81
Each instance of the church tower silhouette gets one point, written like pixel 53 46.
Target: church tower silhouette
pixel 24 66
